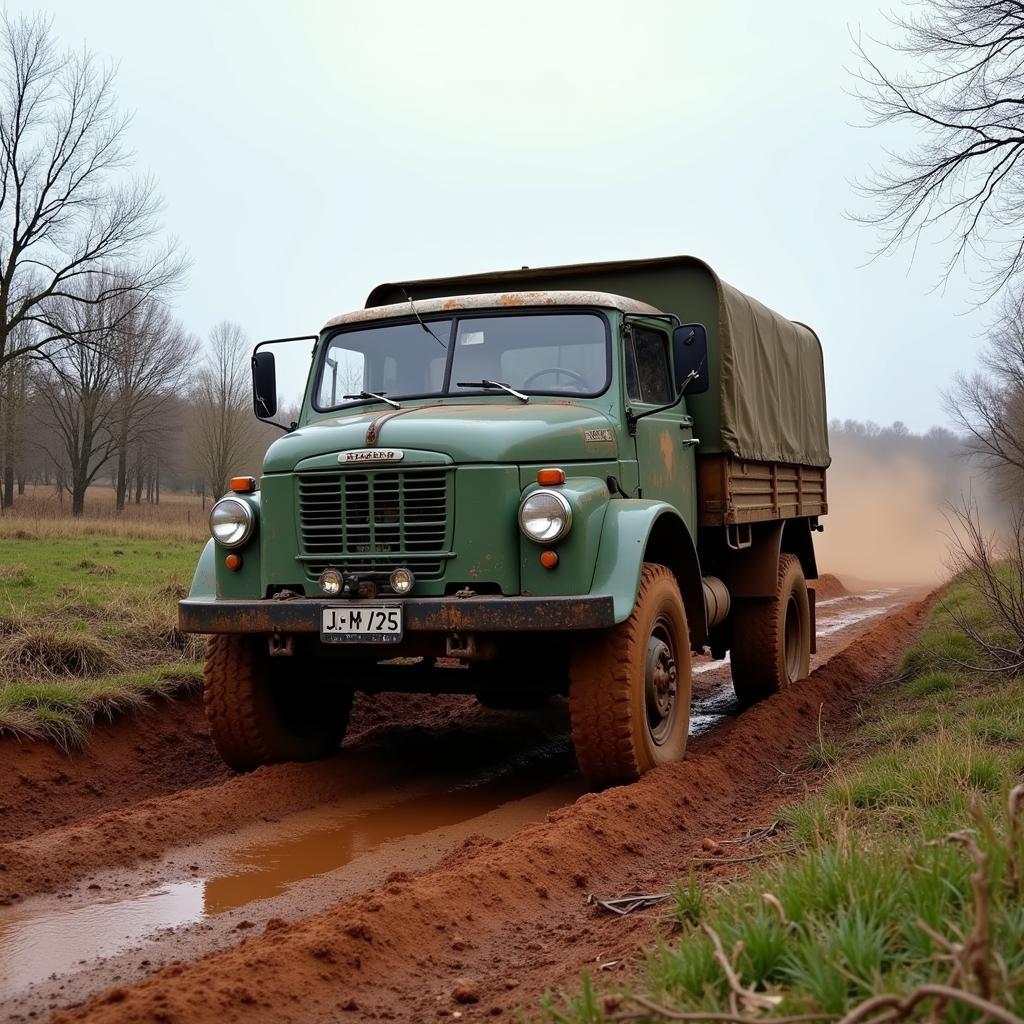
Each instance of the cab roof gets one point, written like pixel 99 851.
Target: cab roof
pixel 494 300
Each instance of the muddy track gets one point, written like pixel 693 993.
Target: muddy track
pixel 166 749
pixel 502 919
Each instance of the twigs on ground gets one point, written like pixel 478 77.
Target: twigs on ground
pixel 742 860
pixel 623 905
pixel 752 835
pixel 741 998
pixel 888 1007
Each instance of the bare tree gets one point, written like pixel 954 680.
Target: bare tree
pixel 988 405
pixel 67 213
pixel 963 91
pixel 223 426
pixel 153 359
pixel 14 392
pixel 78 393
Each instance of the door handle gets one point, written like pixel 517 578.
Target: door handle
pixel 691 442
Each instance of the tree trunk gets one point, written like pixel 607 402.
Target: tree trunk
pixel 77 500
pixel 8 485
pixel 122 472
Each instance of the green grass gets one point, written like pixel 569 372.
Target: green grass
pixel 63 712
pixel 78 575
pixel 874 878
pixel 88 629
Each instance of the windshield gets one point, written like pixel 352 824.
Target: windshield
pixel 545 353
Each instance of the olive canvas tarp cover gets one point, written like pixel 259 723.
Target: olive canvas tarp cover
pixel 766 401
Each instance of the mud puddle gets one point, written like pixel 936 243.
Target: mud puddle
pixel 355 843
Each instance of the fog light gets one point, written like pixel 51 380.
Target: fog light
pixel 402 580
pixel 331 581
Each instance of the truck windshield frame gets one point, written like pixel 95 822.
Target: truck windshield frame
pixel 446 331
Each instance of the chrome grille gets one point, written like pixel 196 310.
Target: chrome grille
pixel 371 522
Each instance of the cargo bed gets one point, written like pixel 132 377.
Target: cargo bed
pixel 734 491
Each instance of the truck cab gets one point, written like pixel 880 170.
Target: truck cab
pixel 496 492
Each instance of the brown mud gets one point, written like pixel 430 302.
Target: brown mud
pixel 495 917
pixel 160 750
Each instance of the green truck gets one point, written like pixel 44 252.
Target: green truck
pixel 558 481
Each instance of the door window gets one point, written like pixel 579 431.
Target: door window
pixel 648 378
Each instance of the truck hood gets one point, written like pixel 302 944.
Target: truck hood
pixel 482 432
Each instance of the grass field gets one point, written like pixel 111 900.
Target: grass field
pixel 906 878
pixel 87 620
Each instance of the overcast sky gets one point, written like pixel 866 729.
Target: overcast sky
pixel 309 150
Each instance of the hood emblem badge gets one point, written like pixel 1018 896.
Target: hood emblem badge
pixel 603 434
pixel 371 455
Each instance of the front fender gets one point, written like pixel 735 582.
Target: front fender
pixel 633 529
pixel 204 580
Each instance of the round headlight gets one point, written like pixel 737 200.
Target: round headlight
pixel 331 582
pixel 402 580
pixel 231 522
pixel 545 516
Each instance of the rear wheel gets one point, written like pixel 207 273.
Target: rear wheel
pixel 629 688
pixel 263 709
pixel 771 637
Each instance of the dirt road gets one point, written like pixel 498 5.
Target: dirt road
pixel 438 866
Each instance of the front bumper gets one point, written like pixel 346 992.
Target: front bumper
pixel 425 615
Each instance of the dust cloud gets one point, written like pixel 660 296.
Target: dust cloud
pixel 887 491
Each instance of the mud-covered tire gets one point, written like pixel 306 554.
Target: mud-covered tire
pixel 771 637
pixel 616 691
pixel 263 710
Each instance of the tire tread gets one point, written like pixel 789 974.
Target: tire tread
pixel 601 695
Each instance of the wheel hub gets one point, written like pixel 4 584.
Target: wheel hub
pixel 661 679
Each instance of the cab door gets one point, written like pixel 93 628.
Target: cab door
pixel 665 446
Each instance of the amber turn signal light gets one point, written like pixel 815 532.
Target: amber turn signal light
pixel 549 559
pixel 233 562
pixel 550 477
pixel 243 484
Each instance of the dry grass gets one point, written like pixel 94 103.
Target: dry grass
pixel 32 652
pixel 41 515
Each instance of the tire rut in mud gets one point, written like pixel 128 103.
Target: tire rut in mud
pixel 512 912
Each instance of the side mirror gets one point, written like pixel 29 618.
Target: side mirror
pixel 690 356
pixel 264 385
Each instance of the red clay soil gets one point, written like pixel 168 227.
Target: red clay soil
pixel 499 923
pixel 159 750
pixel 827 586
pixel 163 749
pixel 417 729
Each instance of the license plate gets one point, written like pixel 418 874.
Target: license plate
pixel 362 624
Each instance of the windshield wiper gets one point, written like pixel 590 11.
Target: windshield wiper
pixel 370 394
pixel 422 322
pixel 493 385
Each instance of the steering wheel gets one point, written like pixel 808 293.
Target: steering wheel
pixel 579 378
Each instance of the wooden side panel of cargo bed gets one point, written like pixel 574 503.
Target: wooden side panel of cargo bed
pixel 740 491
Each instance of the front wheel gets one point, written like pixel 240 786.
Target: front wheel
pixel 771 637
pixel 629 688
pixel 263 710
